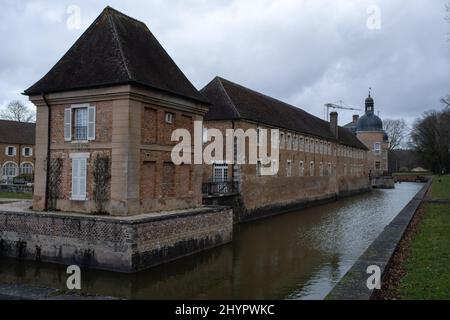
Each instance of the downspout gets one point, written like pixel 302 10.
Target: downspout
pixel 48 151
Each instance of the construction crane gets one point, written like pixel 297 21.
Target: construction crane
pixel 337 105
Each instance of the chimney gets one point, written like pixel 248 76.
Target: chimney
pixel 334 124
pixel 355 118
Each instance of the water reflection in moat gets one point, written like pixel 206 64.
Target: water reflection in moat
pixel 299 255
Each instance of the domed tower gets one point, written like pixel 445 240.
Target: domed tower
pixel 369 130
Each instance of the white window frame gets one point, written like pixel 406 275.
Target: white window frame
pixel 301 169
pixel 169 118
pixel 377 147
pixel 14 151
pixel 90 122
pixel 312 169
pixel 24 152
pixel 77 160
pixel 321 169
pixel 26 163
pixel 17 169
pixel 288 168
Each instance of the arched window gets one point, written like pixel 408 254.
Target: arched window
pixel 10 170
pixel 26 168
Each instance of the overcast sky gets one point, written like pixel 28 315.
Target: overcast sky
pixel 304 52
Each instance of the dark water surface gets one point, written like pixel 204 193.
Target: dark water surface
pixel 299 255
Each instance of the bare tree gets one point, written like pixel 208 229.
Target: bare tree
pixel 17 111
pixel 446 101
pixel 396 130
pixel 431 139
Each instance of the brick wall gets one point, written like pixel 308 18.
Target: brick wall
pixel 369 139
pixel 112 243
pixel 349 173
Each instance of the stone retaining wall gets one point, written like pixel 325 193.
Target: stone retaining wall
pixel 124 245
pixel 353 286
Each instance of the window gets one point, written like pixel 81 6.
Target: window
pixel 258 168
pixel 275 167
pixel 301 170
pixel 79 123
pixel 321 169
pixel 27 152
pixel 306 145
pixel 79 170
pixel 311 169
pixel 10 170
pixel 289 168
pixel 377 165
pixel 329 169
pixel 289 142
pixel 10 151
pixel 281 140
pixel 26 168
pixel 302 144
pixel 258 140
pixel 169 118
pixel 377 147
pixel 295 144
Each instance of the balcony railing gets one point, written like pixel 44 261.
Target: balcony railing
pixel 220 188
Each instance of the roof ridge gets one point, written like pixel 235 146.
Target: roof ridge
pixel 20 122
pixel 119 45
pixel 219 79
pixel 288 105
pixel 110 10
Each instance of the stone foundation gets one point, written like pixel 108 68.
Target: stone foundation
pixel 125 245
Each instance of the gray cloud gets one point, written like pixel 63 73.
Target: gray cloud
pixel 303 52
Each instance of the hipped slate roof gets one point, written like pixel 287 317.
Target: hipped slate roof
pixel 12 132
pixel 231 101
pixel 116 49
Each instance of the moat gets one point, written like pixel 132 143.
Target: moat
pixel 299 255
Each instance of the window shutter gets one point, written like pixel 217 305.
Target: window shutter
pixel 14 151
pixel 68 124
pixel 79 179
pixel 91 123
pixel 31 152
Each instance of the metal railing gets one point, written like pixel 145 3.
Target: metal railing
pixel 220 188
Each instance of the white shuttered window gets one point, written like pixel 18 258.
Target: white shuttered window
pixel 79 168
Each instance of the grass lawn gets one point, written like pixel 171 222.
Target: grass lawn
pixel 6 195
pixel 427 264
pixel 441 190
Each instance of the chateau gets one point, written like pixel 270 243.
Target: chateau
pixel 108 193
pixel 105 117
